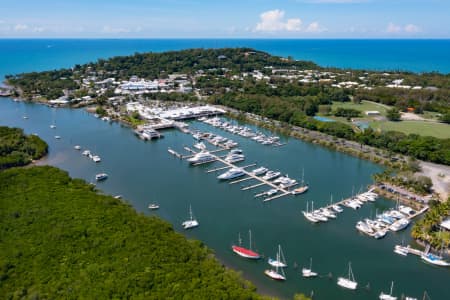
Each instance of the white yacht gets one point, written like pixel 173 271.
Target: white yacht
pixel 86 152
pixel 231 173
pixel 96 158
pixel 232 158
pixel 309 215
pixel 349 282
pixel 259 171
pixel 191 223
pixel 337 208
pixel 399 224
pixel 101 176
pixel 364 228
pixel 77 147
pixel 153 206
pixel 271 192
pixel 435 260
pixel 201 157
pixel 271 175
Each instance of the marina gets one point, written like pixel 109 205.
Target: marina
pixel 223 210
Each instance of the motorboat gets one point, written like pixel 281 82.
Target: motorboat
pixel 57 137
pixel 352 204
pixel 364 228
pixel 271 175
pixel 337 208
pixel 101 176
pixel 96 158
pixel 379 234
pixel 86 152
pixel 271 192
pixel 201 157
pixel 349 282
pixel 231 173
pixel 232 158
pixel 192 222
pixel 434 259
pixel 52 126
pixel 259 171
pixel 399 224
pixel 153 206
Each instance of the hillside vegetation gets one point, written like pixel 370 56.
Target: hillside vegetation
pixel 18 149
pixel 61 240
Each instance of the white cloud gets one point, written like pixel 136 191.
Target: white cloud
pixel 20 27
pixel 273 20
pixel 314 27
pixel 392 28
pixel 38 29
pixel 409 28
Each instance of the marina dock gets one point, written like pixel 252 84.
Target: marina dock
pixel 280 191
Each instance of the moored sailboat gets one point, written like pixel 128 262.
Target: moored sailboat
pixel 307 272
pixel 349 282
pixel 192 222
pixel 246 252
pixel 280 261
pixel 278 273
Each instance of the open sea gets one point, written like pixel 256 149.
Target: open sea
pixel 144 172
pixel 24 55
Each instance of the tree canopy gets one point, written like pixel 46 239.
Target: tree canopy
pixel 62 240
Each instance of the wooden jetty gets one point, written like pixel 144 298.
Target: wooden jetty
pixel 281 191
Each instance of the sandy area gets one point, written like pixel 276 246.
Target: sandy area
pixel 411 117
pixel 440 175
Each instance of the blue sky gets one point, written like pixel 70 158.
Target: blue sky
pixel 225 19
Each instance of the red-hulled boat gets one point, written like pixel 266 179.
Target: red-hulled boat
pixel 244 252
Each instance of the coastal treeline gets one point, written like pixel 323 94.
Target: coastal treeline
pixel 257 82
pixel 62 240
pixel 18 149
pixel 428 228
pixel 295 111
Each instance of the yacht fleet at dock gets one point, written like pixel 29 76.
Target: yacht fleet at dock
pixel 242 131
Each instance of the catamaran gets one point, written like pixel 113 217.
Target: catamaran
pixel 349 282
pixel 278 273
pixel 246 252
pixel 280 261
pixel 191 223
pixel 384 296
pixel 308 272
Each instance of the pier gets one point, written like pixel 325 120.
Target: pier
pixel 281 191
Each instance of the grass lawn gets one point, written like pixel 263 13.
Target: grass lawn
pixel 438 130
pixel 364 106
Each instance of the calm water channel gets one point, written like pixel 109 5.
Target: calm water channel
pixel 145 172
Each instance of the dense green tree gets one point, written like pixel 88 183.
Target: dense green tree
pixel 62 240
pixel 393 114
